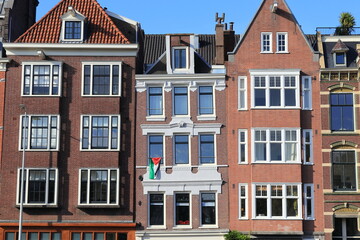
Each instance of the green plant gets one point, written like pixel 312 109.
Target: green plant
pixel 347 22
pixel 235 235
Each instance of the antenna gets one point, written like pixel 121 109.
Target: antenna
pixel 218 19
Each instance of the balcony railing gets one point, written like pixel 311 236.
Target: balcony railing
pixel 335 75
pixel 331 31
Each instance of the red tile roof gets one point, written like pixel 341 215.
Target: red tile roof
pixel 100 27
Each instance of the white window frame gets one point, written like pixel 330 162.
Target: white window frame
pixel 345 59
pixel 26 187
pixel 305 90
pixel 263 34
pixel 109 135
pixel 275 73
pixel 190 211
pixel 242 91
pixel 187 64
pixel 244 198
pixel 88 203
pixel 283 143
pixel 204 116
pixel 215 149
pixel 311 198
pixel 173 101
pixel 174 150
pixel 163 143
pixel 304 133
pixel 245 132
pixel 28 133
pixel 164 211
pixel 92 64
pixel 284 197
pixel 152 117
pixel 216 211
pixel 51 81
pixel 72 16
pixel 285 34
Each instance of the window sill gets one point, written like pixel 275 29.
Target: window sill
pixel 100 150
pixel 156 228
pixel 206 118
pixel 39 150
pixel 281 219
pixel 266 52
pixel 275 108
pixel 37 206
pixel 344 132
pixel 282 52
pixel 209 226
pixel 41 96
pixel 98 206
pixel 279 162
pixel 180 227
pixel 343 193
pixel 158 118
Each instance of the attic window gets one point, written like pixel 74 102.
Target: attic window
pixel 340 58
pixel 180 58
pixel 339 53
pixel 73 26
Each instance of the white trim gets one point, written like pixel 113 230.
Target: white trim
pixel 189 150
pixel 163 144
pixel 187 64
pixel 304 142
pixel 215 149
pixel 72 15
pixel 148 211
pixel 90 116
pixel 311 198
pixel 345 59
pixel 206 117
pixel 305 89
pixel 89 170
pixel 92 64
pixel 263 34
pixel 49 127
pixel 155 117
pixel 51 64
pixel 191 128
pixel 26 187
pixel 348 38
pixel 187 101
pixel 244 91
pixel 283 142
pixel 246 198
pixel 216 210
pixel 245 131
pixel 179 226
pixel 286 42
pixel 284 197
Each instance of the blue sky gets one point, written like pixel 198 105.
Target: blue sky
pixel 198 16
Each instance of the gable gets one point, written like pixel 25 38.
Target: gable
pixel 100 27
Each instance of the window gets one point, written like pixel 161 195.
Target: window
pixel 40 186
pixel 208 209
pixel 180 101
pixel 206 101
pixel 41 79
pixel 33 235
pixel 340 58
pixel 344 170
pixel 97 236
pixel 275 91
pixel 243 201
pixel 342 111
pixel 242 96
pixel 309 201
pixel 179 58
pixel 40 132
pixel 277 201
pixel 307 144
pixel 72 30
pixel 282 43
pixel 181 149
pixel 102 79
pixel 155 101
pixel 99 187
pixel 276 145
pixel 182 209
pixel 100 133
pixel 346 228
pixel 242 146
pixel 156 209
pixel 156 146
pixel 266 42
pixel 207 148
pixel 306 93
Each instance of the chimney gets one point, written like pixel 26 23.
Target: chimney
pixel 229 40
pixel 219 40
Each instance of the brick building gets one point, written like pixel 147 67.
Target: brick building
pixel 181 118
pixel 273 113
pixel 339 91
pixel 73 73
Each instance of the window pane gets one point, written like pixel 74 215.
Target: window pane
pixel 33 236
pixel 155 101
pixel 10 236
pixel 260 99
pixel 156 209
pixel 261 207
pixel 75 236
pixel 290 97
pixel 180 58
pixel 101 80
pixel 181 149
pixel 205 100
pixel 276 207
pixel 260 151
pixel 156 146
pixel 207 154
pixel 87 236
pixel 208 214
pixel 275 99
pixel 275 151
pixel 180 101
pixel 182 204
pixel 290 152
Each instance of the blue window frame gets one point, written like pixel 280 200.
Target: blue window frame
pixel 206 103
pixel 207 153
pixel 342 113
pixel 155 104
pixel 181 149
pixel 180 101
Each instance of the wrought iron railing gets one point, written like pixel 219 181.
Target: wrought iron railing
pixel 331 31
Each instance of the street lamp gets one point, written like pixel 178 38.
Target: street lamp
pixel 24 128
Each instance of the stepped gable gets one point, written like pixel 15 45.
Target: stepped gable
pixel 100 27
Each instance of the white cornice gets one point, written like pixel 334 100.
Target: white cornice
pixel 71 49
pixel 198 76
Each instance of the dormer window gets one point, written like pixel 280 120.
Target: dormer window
pixel 73 26
pixel 180 58
pixel 340 59
pixel 339 54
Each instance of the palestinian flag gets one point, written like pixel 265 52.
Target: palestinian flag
pixel 154 167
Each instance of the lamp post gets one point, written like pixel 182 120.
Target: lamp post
pixel 25 125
